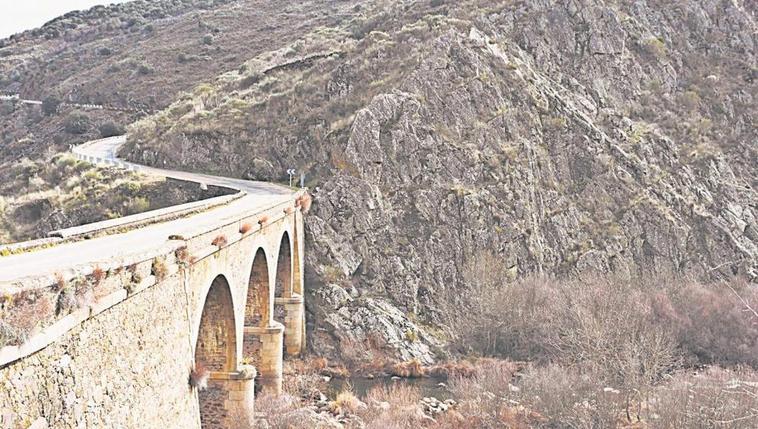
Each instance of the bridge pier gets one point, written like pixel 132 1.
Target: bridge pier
pixel 228 402
pixel 265 347
pixel 293 309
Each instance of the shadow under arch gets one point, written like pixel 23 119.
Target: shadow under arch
pixel 215 349
pixel 257 305
pixel 284 268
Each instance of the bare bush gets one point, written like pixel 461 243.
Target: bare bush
pixel 715 398
pixel 394 406
pixel 629 331
pixel 285 412
pixel 713 324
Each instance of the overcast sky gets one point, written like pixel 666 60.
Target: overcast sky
pixel 20 15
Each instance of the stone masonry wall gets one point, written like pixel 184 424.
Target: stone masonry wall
pixel 213 414
pixel 110 371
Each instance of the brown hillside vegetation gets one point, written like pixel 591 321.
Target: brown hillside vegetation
pixel 588 137
pixel 533 139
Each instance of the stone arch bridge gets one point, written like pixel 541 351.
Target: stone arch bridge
pixel 169 319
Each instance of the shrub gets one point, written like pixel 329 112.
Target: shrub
pixel 285 412
pixel 304 202
pixel 409 369
pixel 182 255
pixel 712 324
pixel 50 105
pixel 98 275
pixel 263 220
pixel 138 205
pixel 76 123
pixel 135 274
pixel 60 282
pixel 144 69
pixel 159 268
pixel 199 376
pixel 220 241
pixel 346 402
pixel 714 398
pixel 66 301
pixel 631 331
pixel 110 129
pixel 250 80
pixel 245 228
pixel 9 335
pixel 208 39
pixel 654 46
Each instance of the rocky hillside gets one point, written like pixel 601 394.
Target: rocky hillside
pixel 134 58
pixel 587 135
pixel 552 138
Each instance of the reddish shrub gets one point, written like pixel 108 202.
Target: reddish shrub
pixel 60 282
pixel 182 255
pixel 245 228
pixel 289 210
pixel 220 241
pixel 263 220
pixel 319 363
pixel 304 202
pixel 409 369
pixel 98 275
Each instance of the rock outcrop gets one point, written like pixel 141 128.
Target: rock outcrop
pixel 590 135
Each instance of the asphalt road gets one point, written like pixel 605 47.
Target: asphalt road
pixel 259 196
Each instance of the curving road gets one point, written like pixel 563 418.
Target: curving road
pixel 258 196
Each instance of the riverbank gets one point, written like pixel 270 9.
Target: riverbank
pixel 502 394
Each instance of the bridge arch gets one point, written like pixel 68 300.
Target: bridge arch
pixel 215 352
pixel 216 344
pixel 259 300
pixel 283 278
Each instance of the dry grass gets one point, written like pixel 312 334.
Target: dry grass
pixel 410 369
pixel 159 268
pixel 60 282
pixel 346 403
pixel 284 412
pixel 395 394
pixel 220 241
pixel 319 363
pixel 394 406
pixel 452 369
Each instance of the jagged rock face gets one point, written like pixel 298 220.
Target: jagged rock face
pixel 584 136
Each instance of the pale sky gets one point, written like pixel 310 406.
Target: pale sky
pixel 19 15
